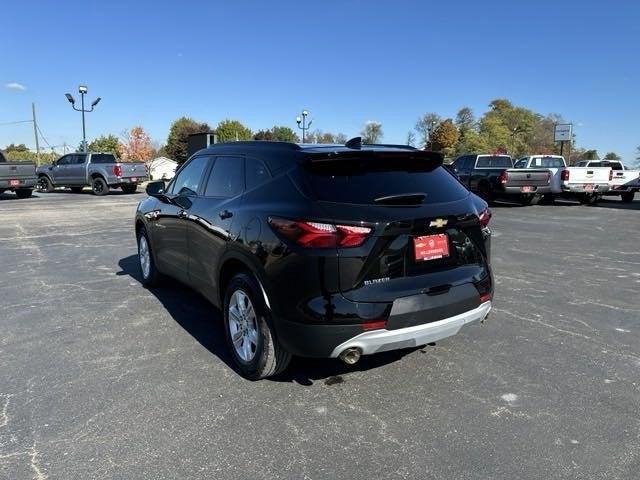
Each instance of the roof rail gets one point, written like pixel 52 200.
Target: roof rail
pixel 258 144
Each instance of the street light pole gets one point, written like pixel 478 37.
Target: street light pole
pixel 82 90
pixel 302 120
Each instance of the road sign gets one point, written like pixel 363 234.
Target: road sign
pixel 562 132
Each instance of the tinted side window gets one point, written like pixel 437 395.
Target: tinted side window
pixel 522 163
pixel 189 179
pixel 66 160
pixel 256 173
pixel 79 159
pixel 226 178
pixel 468 162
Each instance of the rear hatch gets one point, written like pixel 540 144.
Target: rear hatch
pixel 425 237
pixel 588 175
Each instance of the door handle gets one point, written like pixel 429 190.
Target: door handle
pixel 182 214
pixel 224 214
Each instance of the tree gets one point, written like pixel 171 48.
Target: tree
pixel 284 134
pixel 372 132
pixel 137 147
pixel 425 125
pixel 341 138
pixel 232 131
pixel 444 137
pixel 105 144
pixel 411 139
pixel 590 155
pixel 179 132
pixel 265 135
pixel 465 121
pixel 612 156
pixel 21 148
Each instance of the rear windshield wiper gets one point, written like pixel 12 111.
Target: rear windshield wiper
pixel 402 199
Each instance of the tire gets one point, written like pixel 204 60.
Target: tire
pixel 130 188
pixel 44 184
pixel 528 199
pixel 627 197
pixel 587 199
pixel 549 198
pixel 99 186
pixel 76 189
pixel 149 273
pixel 256 353
pixel 24 192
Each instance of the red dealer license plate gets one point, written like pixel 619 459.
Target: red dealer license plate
pixel 526 189
pixel 588 187
pixel 14 183
pixel 431 247
pixel 134 179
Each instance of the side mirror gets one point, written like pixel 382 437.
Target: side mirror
pixel 156 189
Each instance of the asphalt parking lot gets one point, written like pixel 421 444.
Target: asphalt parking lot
pixel 101 378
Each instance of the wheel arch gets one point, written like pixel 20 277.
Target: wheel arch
pixel 231 264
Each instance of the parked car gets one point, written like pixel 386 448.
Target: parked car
pixel 554 163
pixel 18 177
pixel 492 176
pixel 625 182
pixel 320 250
pixel 588 184
pixel 100 171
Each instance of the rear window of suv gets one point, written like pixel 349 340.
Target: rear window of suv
pixel 362 181
pixel 495 161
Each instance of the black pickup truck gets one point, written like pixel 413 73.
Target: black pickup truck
pixel 492 176
pixel 19 177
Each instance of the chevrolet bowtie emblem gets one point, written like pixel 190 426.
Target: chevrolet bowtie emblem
pixel 438 222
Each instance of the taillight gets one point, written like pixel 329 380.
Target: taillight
pixel 374 324
pixel 485 217
pixel 485 297
pixel 320 235
pixel 117 170
pixel 610 175
pixel 504 177
pixel 565 175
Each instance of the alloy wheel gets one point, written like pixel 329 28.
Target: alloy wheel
pixel 243 325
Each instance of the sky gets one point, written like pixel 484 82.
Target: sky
pixel 347 62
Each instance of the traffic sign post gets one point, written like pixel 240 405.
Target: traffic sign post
pixel 562 132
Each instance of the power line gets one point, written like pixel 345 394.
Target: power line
pixel 15 123
pixel 43 137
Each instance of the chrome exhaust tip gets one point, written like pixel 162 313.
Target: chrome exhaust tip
pixel 350 356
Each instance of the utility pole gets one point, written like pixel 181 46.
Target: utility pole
pixel 35 129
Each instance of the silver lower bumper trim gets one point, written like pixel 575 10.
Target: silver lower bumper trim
pixel 383 340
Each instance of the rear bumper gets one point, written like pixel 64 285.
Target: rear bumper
pixel 537 190
pixel 376 341
pixel 580 188
pixel 28 182
pixel 618 189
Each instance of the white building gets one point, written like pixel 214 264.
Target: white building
pixel 162 168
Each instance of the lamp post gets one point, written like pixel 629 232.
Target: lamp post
pixel 82 89
pixel 301 120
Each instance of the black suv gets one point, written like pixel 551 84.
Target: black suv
pixel 321 250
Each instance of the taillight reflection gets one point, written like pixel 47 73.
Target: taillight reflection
pixel 320 235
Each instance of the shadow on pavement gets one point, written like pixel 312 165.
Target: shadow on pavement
pixel 12 196
pixel 203 322
pixel 617 204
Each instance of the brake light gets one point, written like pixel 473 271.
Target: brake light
pixel 485 298
pixel 485 217
pixel 117 170
pixel 320 235
pixel 565 175
pixel 610 175
pixel 504 177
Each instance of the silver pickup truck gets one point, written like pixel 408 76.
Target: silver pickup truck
pixel 19 177
pixel 100 171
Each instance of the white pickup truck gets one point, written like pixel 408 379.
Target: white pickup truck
pixel 555 164
pixel 586 183
pixel 624 183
